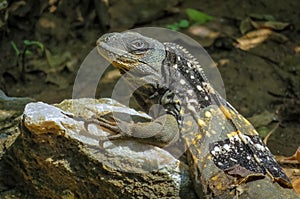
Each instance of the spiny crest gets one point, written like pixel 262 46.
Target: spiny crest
pixel 191 71
pixel 185 59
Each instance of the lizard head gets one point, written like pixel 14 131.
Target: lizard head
pixel 130 50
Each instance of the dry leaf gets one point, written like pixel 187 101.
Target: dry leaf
pixel 264 17
pixel 246 25
pixel 296 156
pixel 296 185
pixel 249 24
pixel 46 23
pixel 15 6
pixel 294 159
pixel 203 31
pixel 274 25
pixel 256 37
pixel 253 38
pixel 52 2
pixel 280 38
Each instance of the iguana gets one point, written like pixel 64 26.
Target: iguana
pixel 226 156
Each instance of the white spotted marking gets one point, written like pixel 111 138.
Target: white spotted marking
pixel 217 149
pixel 206 98
pixel 234 160
pixel 226 147
pixel 259 147
pixel 247 139
pixel 193 101
pixel 190 92
pixel 175 66
pixel 178 58
pixel 191 108
pixel 182 82
pixel 199 88
pixel 231 140
pixel 192 77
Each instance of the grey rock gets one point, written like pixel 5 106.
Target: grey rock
pixel 56 156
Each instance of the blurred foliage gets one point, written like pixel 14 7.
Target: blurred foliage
pixel 3 4
pixel 178 25
pixel 194 16
pixel 28 44
pixel 197 16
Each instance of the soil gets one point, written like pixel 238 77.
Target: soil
pixel 263 78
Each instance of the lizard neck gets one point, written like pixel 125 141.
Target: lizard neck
pixel 183 74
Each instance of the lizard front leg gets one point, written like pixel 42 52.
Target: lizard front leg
pixel 162 131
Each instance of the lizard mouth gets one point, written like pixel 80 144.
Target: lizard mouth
pixel 120 59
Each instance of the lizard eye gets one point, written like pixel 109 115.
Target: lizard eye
pixel 138 46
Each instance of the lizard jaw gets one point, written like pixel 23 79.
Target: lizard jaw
pixel 122 60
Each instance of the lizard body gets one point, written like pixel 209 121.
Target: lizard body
pixel 224 150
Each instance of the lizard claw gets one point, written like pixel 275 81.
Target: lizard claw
pixel 104 139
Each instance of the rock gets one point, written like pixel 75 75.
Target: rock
pixel 11 109
pixel 56 156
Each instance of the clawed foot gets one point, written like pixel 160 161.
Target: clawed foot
pixel 117 126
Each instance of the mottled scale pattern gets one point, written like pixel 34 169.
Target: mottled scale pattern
pixel 242 154
pixel 232 151
pixel 254 157
pixel 191 74
pixel 266 159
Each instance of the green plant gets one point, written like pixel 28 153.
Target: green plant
pixel 198 16
pixel 177 25
pixel 21 54
pixel 194 16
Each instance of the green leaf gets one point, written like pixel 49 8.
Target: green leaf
pixel 14 46
pixel 36 43
pixel 197 16
pixel 263 131
pixel 174 26
pixel 28 52
pixel 184 23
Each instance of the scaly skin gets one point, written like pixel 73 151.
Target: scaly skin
pixel 226 156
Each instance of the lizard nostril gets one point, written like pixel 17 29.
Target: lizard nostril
pixel 107 37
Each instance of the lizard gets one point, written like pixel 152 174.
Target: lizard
pixel 226 155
